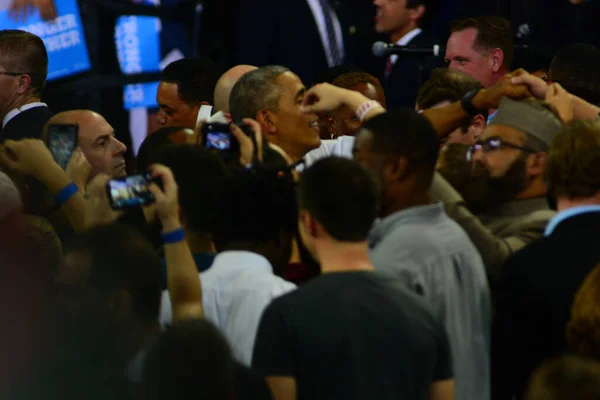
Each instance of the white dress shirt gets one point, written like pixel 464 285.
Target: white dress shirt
pixel 235 291
pixel 405 40
pixel 13 113
pixel 319 15
pixel 341 147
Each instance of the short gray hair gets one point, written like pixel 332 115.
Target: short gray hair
pixel 256 91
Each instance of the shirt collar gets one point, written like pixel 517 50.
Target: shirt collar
pixel 566 214
pixel 419 213
pixel 13 113
pixel 233 262
pixel 404 40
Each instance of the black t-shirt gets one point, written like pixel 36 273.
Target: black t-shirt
pixel 353 335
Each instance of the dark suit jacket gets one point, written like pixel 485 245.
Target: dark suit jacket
pixel 285 33
pixel 27 124
pixel 403 84
pixel 534 300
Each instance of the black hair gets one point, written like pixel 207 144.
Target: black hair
pixel 199 174
pixel 190 357
pixel 196 79
pixel 255 207
pixel 152 144
pixel 406 133
pixel 342 196
pixel 331 74
pixel 255 91
pixel 576 68
pixel 120 257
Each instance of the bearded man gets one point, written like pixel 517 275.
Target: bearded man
pixel 509 163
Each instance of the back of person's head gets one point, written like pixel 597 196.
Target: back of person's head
pixel 583 329
pixel 331 74
pixel 407 134
pixel 493 32
pixel 352 79
pixel 119 258
pixel 23 53
pixel 255 208
pixel 573 169
pixel 445 85
pixel 256 91
pixel 190 357
pixel 199 174
pixel 341 196
pixel 576 68
pixel 153 143
pixel 196 78
pixel 565 378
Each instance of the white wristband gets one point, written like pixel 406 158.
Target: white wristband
pixel 365 108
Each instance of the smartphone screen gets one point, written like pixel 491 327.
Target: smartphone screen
pixel 62 142
pixel 129 192
pixel 219 137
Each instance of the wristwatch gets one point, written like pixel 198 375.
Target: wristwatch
pixel 467 102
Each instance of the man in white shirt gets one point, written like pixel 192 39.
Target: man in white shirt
pixel 405 22
pixel 255 223
pixel 23 70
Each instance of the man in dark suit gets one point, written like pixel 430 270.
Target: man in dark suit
pixel 405 22
pixel 538 284
pixel 23 70
pixel 306 36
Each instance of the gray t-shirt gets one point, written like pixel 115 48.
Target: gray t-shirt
pixel 434 257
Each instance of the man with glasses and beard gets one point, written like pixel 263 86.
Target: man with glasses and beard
pixel 509 162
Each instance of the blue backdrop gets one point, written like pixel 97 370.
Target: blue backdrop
pixel 63 37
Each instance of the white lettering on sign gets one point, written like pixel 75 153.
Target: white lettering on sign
pixel 128 45
pixel 60 34
pixel 134 94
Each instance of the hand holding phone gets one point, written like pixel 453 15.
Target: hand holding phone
pixel 130 191
pixel 62 142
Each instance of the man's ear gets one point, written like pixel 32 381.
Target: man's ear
pixel 267 121
pixel 497 59
pixel 478 126
pixel 308 224
pixel 416 13
pixel 536 164
pixel 395 169
pixel 24 84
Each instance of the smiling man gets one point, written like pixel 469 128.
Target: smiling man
pixel 482 47
pixel 273 96
pixel 97 140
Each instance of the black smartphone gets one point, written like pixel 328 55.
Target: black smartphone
pixel 62 142
pixel 218 137
pixel 129 192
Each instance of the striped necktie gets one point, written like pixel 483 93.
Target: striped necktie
pixel 330 30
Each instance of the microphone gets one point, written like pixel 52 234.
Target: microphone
pixel 382 49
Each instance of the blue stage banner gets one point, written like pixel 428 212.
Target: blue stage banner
pixel 63 37
pixel 138 48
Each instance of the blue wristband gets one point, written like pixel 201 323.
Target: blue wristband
pixel 173 237
pixel 66 193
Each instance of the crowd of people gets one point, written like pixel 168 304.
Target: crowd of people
pixel 336 246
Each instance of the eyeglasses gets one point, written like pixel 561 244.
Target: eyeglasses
pixel 15 73
pixel 494 144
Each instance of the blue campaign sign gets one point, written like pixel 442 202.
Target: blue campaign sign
pixel 63 37
pixel 138 48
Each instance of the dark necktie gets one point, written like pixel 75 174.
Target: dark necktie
pixel 330 30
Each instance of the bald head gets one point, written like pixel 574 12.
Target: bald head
pixel 96 140
pixel 226 83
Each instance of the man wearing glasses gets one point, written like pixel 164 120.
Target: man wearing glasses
pixel 23 70
pixel 510 160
